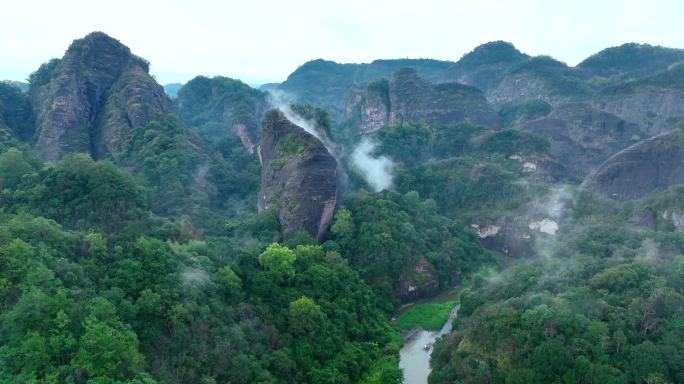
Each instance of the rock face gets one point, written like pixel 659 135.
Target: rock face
pixel 655 103
pixel 408 98
pixel 218 106
pixel 298 177
pixel 582 138
pixel 655 110
pixel 541 78
pixel 653 164
pixel 92 98
pixel 645 218
pixel 417 281
pixel 325 83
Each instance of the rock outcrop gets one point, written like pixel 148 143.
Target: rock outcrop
pixel 417 281
pixel 582 138
pixel 542 78
pixel 218 106
pixel 325 83
pixel 409 98
pixel 91 99
pixel 655 103
pixel 650 165
pixel 298 177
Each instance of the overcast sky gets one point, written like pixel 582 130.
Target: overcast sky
pixel 264 40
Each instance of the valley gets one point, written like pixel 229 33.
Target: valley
pixel 214 232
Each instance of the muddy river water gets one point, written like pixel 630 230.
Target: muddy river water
pixel 415 358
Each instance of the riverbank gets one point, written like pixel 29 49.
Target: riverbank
pixel 415 354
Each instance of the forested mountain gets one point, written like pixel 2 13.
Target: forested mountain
pixel 236 235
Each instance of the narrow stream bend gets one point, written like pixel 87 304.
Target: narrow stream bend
pixel 414 358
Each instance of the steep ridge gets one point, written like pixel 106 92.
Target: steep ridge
pixel 298 177
pixel 409 98
pixel 581 138
pixel 650 165
pixel 91 99
pixel 214 107
pixel 325 83
pixel 630 61
pixel 655 102
pixel 484 66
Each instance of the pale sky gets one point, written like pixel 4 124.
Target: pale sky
pixel 265 40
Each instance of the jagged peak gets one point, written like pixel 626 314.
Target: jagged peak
pixel 98 47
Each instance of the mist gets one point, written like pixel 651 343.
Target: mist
pixel 377 171
pixel 282 101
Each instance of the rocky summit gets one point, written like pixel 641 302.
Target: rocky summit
pixel 298 177
pixel 90 100
pixel 409 98
pixel 214 107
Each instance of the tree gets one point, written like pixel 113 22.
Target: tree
pixel 107 349
pixel 229 280
pixel 12 168
pixel 305 316
pixel 279 261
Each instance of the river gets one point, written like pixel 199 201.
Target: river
pixel 414 359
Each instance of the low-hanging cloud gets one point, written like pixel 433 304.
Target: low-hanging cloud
pixel 377 171
pixel 282 101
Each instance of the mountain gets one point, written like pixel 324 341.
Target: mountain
pixel 90 100
pixel 214 107
pixel 23 87
pixel 298 177
pixel 654 102
pixel 16 114
pixel 651 165
pixel 325 83
pixel 543 78
pixel 630 61
pixel 409 98
pixel 581 138
pixel 484 65
pixel 172 89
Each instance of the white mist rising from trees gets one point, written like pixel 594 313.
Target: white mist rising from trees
pixel 377 171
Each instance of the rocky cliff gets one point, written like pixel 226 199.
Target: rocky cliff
pixel 418 280
pixel 214 107
pixel 298 177
pixel 656 102
pixel 582 138
pixel 542 78
pixel 650 165
pixel 409 98
pixel 92 98
pixel 325 83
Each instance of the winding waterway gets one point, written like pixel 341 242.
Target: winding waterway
pixel 414 359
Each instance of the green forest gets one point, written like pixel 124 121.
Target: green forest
pixel 530 228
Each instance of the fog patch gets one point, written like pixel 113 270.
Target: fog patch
pixel 195 278
pixel 376 170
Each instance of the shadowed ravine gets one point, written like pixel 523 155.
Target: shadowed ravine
pixel 414 359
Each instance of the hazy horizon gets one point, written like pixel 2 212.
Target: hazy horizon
pixel 264 41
